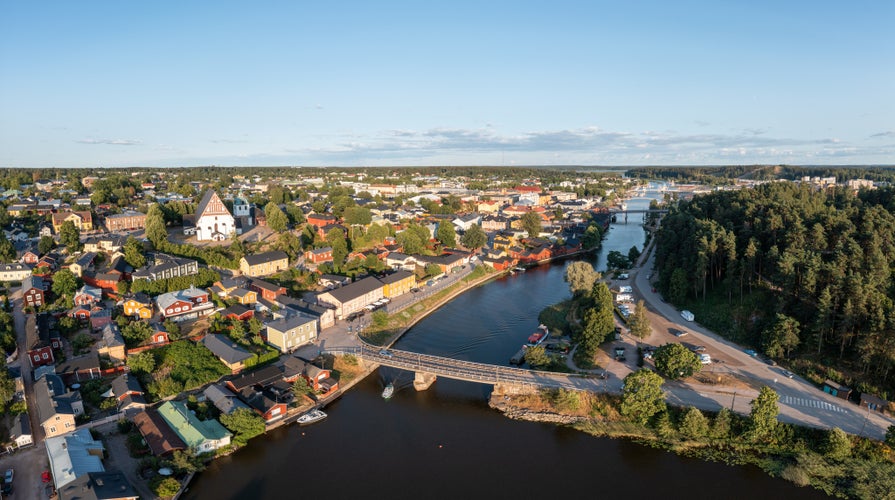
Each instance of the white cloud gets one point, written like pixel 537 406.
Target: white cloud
pixel 111 142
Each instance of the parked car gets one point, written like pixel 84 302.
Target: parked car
pixel 9 475
pixel 678 333
pixel 698 348
pixel 787 373
pixel 705 359
pixel 45 476
pixel 687 315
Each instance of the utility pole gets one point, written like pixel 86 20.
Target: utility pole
pixel 733 400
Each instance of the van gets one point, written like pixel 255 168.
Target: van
pixel 687 315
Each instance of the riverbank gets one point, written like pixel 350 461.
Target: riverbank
pixel 849 467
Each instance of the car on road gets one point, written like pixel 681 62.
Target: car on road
pixel 787 373
pixel 687 315
pixel 751 352
pixel 386 353
pixel 45 476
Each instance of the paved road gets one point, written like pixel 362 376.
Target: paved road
pixel 800 402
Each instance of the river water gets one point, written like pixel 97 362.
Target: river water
pixel 446 443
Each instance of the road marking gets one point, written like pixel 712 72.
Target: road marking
pixel 811 403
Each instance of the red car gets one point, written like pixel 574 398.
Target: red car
pixel 45 476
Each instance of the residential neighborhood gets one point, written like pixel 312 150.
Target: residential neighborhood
pixel 142 286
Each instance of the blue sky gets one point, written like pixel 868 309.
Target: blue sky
pixel 101 84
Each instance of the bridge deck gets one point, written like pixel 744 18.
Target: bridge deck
pixel 469 371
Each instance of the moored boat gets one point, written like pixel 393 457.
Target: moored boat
pixel 538 337
pixel 389 391
pixel 311 417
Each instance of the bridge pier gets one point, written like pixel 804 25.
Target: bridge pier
pixel 423 380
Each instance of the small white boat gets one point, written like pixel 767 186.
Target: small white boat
pixel 389 391
pixel 311 417
pixel 520 269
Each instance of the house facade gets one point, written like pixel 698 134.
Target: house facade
pixel 184 304
pixel 291 332
pixel 354 297
pixel 166 266
pixel 33 291
pixel 213 221
pixel 14 272
pixel 263 264
pixel 398 283
pixel 82 220
pixel 140 306
pixel 200 435
pixel 126 221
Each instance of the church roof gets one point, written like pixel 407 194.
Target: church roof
pixel 210 195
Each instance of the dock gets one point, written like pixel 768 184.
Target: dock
pixel 519 357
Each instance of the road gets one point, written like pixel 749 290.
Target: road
pixel 800 402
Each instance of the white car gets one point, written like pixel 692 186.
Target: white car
pixel 687 315
pixel 705 359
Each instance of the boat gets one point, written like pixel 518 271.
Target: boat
pixel 538 337
pixel 389 391
pixel 520 269
pixel 311 417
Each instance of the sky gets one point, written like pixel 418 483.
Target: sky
pixel 118 84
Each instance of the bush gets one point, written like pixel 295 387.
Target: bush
pixel 164 487
pixel 795 475
pixel 125 425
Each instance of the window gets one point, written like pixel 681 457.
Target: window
pixel 67 425
pixel 36 357
pixel 52 429
pixel 46 356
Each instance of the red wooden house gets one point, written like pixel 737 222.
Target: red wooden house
pixel 237 312
pixel 30 257
pixel 319 255
pixel 320 220
pixel 33 291
pixel 268 291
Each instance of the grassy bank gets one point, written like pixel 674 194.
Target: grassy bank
pixel 849 467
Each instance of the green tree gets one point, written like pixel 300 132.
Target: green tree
pixel 45 244
pixel 474 237
pixel 136 332
pixel 336 239
pixel 537 356
pixel 593 237
pixel 642 396
pixel 838 445
pixel 616 260
pixel 890 436
pixel 531 224
pixel 446 234
pixel 639 323
pixel 134 252
pixel 721 424
pixel 358 216
pixel 678 286
pixel 763 417
pixel 7 385
pixel 581 276
pixel 70 236
pixel 142 362
pixel 633 254
pixel 244 423
pixel 301 388
pixel 7 250
pixel 156 231
pixel 122 287
pixel 433 270
pixel 781 337
pixel 276 219
pixel 676 361
pixel 165 487
pixel 694 425
pixel 598 321
pixel 65 283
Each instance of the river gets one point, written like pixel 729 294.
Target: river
pixel 447 443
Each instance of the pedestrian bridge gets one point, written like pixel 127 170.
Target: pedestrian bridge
pixel 428 367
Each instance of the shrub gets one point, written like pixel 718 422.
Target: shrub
pixel 165 487
pixel 796 475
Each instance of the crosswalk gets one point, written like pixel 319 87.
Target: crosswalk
pixel 811 403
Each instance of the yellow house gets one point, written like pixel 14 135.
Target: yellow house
pixel 140 305
pixel 502 243
pixel 244 297
pixel 82 220
pixel 263 264
pixel 398 283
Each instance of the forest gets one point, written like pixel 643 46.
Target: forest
pixel 803 274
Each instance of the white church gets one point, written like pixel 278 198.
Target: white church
pixel 213 221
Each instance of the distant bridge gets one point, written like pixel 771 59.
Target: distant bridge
pixel 427 367
pixel 643 211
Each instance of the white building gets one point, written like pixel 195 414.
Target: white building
pixel 213 221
